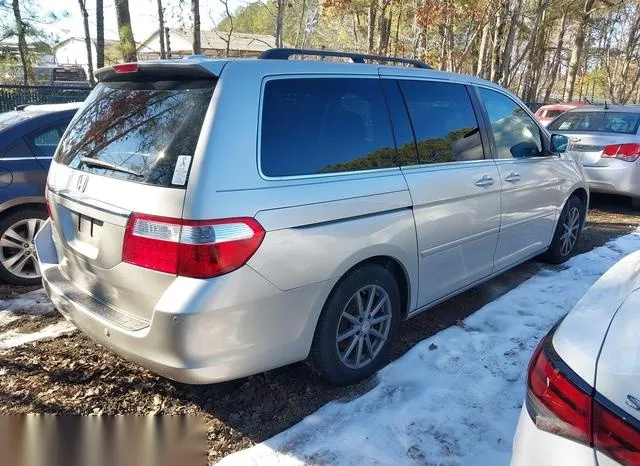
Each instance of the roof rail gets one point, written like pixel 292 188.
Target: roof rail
pixel 285 54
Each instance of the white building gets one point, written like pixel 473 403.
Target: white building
pixel 73 51
pixel 214 44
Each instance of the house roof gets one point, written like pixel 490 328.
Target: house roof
pixel 107 42
pixel 216 40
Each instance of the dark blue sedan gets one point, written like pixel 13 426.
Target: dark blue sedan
pixel 28 139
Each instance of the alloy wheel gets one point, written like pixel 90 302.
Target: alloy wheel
pixel 364 326
pixel 570 230
pixel 17 248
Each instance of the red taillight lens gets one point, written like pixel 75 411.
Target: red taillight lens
pixel 126 68
pixel 191 248
pixel 555 403
pixel 626 152
pixel 615 437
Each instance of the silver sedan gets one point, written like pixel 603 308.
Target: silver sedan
pixel 605 140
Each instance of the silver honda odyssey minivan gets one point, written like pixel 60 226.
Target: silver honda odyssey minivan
pixel 212 219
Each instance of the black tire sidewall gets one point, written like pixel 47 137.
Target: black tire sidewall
pixel 324 353
pixel 7 221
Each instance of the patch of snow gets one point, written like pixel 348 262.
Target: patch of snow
pixel 13 338
pixel 453 399
pixel 34 303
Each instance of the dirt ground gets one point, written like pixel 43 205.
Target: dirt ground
pixel 72 375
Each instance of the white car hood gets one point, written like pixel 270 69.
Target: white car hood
pixel 579 337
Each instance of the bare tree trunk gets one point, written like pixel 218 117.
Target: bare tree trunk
pixel 280 4
pixel 497 42
pixel 303 12
pixel 230 32
pixel 163 50
pixel 22 42
pixel 482 53
pixel 508 48
pixel 397 35
pixel 127 44
pixel 99 34
pixel 576 52
pixel 371 31
pixel 557 56
pixel 195 14
pixel 87 39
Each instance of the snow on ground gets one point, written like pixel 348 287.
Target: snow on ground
pixel 453 399
pixel 29 304
pixel 14 338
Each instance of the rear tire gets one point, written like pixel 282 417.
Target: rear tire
pixel 357 326
pixel 18 259
pixel 567 232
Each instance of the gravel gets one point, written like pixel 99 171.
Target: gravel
pixel 73 375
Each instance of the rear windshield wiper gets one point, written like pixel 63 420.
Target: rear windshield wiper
pixel 91 162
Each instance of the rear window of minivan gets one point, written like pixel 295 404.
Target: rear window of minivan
pixel 142 129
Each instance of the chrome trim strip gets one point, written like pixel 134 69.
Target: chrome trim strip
pixel 19 159
pixel 91 203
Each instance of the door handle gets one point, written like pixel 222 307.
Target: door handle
pixel 485 181
pixel 513 177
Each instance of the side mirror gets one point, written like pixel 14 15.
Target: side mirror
pixel 559 143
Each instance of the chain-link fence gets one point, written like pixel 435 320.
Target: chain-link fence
pixel 11 96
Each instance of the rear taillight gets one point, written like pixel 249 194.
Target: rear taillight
pixel 555 402
pixel 561 403
pixel 126 68
pixel 614 436
pixel 191 248
pixel 627 152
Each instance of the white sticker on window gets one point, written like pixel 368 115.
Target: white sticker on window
pixel 181 170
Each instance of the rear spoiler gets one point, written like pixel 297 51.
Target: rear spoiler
pixel 154 71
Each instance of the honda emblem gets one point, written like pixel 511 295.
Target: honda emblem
pixel 81 184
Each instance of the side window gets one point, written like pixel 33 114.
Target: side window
pixel 444 122
pixel 324 125
pixel 44 142
pixel 18 149
pixel 514 131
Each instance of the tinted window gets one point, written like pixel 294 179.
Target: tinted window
pixel 140 127
pixel 45 141
pixel 605 122
pixel 18 149
pixel 443 120
pixel 324 125
pixel 515 132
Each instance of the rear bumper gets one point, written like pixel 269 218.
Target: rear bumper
pixel 201 331
pixel 618 178
pixel 534 447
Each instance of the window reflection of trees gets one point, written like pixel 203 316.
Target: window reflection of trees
pixel 143 130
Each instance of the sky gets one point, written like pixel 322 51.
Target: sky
pixel 144 17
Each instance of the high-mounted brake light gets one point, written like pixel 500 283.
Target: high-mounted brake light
pixel 561 403
pixel 126 68
pixel 191 248
pixel 627 152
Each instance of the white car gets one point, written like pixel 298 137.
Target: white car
pixel 582 405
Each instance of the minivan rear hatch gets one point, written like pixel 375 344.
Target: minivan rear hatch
pixel 128 149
